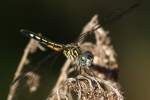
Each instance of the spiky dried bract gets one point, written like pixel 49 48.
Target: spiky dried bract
pixel 99 82
pixel 87 88
pixel 106 55
pixel 33 81
pixel 32 47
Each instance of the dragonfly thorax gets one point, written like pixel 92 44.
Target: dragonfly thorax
pixel 72 51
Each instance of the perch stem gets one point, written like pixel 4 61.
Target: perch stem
pixel 20 67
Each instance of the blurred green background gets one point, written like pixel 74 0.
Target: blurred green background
pixel 64 20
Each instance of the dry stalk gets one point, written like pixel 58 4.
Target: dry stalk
pixel 30 48
pixel 99 82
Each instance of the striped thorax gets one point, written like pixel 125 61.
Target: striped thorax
pixel 72 51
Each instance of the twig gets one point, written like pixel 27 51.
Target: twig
pixel 30 48
pixel 63 74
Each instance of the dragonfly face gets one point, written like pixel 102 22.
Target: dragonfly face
pixel 85 59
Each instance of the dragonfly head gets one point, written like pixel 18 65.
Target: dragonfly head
pixel 85 59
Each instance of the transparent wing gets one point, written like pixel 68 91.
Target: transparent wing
pixel 84 36
pixel 110 18
pixel 33 74
pixel 36 64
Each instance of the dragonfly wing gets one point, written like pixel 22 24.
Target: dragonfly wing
pixel 85 36
pixel 51 58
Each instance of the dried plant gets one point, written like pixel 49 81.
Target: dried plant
pixel 30 48
pixel 97 82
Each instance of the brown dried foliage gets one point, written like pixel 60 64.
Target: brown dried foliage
pixel 99 82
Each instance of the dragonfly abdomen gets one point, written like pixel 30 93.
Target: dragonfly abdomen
pixel 43 40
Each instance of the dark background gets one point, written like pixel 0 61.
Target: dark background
pixel 63 21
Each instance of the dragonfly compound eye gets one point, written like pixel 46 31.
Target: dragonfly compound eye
pixel 88 55
pixel 85 59
pixel 89 58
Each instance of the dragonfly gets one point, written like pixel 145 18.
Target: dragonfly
pixel 81 59
pixel 71 51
